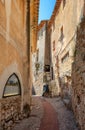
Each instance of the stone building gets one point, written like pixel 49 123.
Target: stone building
pixel 18 25
pixel 63 33
pixel 41 59
pixel 67 52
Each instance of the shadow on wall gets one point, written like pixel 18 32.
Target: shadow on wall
pixel 78 76
pixel 33 90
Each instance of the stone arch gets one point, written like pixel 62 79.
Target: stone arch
pixel 12 83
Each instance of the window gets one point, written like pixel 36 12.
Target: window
pixel 65 58
pixel 37 58
pixel 52 73
pixel 64 3
pixel 47 68
pixel 61 35
pixel 12 86
pixel 53 45
pixel 53 26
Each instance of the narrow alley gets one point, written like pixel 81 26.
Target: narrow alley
pixel 42 64
pixel 48 114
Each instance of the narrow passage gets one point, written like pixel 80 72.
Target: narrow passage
pixel 49 121
pixel 44 115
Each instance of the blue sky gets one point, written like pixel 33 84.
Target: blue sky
pixel 45 9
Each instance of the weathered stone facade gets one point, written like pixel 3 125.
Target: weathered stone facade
pixel 39 59
pixel 78 76
pixel 63 34
pixel 10 112
pixel 67 49
pixel 15 56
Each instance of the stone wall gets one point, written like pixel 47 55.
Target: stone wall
pixel 63 33
pixel 78 76
pixel 38 84
pixel 10 112
pixel 68 54
pixel 53 89
pixel 60 45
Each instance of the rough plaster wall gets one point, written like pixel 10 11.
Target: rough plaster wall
pixel 10 53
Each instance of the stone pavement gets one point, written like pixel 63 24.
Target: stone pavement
pixel 66 119
pixel 44 115
pixel 49 120
pixel 33 122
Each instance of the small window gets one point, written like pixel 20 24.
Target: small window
pixel 61 35
pixel 53 26
pixel 12 86
pixel 64 3
pixel 47 68
pixel 53 45
pixel 37 57
pixel 65 58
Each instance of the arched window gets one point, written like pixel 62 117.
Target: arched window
pixel 12 87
